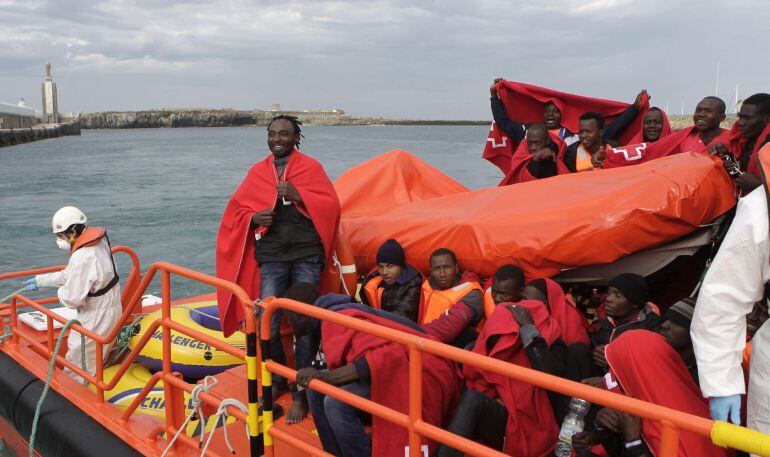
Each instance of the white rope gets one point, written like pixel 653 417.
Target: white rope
pixel 338 266
pixel 222 411
pixel 197 408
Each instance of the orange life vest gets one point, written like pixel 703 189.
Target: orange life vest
pixel 373 292
pixel 584 160
pixel 489 302
pixel 90 237
pixel 437 302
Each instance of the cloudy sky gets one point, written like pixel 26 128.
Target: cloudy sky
pixel 402 59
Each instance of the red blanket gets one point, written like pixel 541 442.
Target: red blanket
pixel 235 243
pixel 525 103
pixel 648 369
pixel 522 157
pixel 389 367
pixel 679 141
pixel 573 325
pixel 531 429
pixel 639 136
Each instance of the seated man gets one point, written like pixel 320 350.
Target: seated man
pixel 625 308
pixel 646 368
pixel 374 368
pixel 588 154
pixel 573 327
pixel 508 415
pixel 444 290
pixel 507 283
pixel 676 330
pixel 537 157
pixel 518 131
pixel 394 286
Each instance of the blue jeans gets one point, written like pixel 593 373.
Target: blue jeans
pixel 339 424
pixel 274 279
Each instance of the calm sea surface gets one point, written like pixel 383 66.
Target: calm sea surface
pixel 162 191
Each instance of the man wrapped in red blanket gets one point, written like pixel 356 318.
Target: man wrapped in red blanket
pixel 371 367
pixel 516 105
pixel 501 412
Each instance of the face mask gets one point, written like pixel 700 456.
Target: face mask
pixel 62 244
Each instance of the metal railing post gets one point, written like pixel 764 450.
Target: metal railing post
pixel 415 399
pixel 174 399
pixel 669 440
pixel 99 371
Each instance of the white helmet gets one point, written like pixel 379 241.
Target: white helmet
pixel 65 217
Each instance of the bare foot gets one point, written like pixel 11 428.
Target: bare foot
pixel 297 413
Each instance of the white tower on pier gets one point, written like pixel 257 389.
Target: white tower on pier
pixel 50 100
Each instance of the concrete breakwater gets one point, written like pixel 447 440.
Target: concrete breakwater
pixel 231 118
pixel 10 137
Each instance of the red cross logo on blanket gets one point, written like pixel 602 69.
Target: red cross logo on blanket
pixel 637 153
pixel 494 141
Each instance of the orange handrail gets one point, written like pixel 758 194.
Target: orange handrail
pixel 672 421
pixel 173 385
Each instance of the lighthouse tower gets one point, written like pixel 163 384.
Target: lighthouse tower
pixel 50 100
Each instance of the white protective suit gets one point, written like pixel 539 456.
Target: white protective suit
pixel 734 282
pixel 89 269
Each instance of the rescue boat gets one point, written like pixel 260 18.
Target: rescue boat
pixel 129 410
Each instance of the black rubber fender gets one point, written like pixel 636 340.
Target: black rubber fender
pixel 63 429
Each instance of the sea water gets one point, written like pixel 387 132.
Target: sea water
pixel 162 191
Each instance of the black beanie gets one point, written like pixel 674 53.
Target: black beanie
pixel 681 312
pixel 633 287
pixel 391 252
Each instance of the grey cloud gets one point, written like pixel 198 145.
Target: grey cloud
pixel 428 59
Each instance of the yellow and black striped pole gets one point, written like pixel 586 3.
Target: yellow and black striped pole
pixel 255 445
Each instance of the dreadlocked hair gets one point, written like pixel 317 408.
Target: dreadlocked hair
pixel 295 122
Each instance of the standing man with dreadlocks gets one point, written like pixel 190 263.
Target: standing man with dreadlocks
pixel 278 229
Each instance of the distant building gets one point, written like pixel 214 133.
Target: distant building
pixel 50 99
pixel 16 117
pixel 275 107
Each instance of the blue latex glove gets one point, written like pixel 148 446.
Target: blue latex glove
pixel 31 285
pixel 721 407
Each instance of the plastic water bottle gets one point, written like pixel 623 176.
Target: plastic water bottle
pixel 573 423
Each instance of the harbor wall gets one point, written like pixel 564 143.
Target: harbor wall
pixel 10 137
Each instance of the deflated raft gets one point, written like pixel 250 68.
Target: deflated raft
pixel 543 226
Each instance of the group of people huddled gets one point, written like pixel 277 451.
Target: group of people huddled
pixel 278 232
pixel 533 324
pixel 548 148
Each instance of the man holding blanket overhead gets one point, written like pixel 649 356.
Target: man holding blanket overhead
pixel 278 229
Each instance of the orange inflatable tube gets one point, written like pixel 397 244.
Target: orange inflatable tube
pixel 543 226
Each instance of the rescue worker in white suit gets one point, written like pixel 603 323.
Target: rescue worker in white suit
pixel 89 283
pixel 734 283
